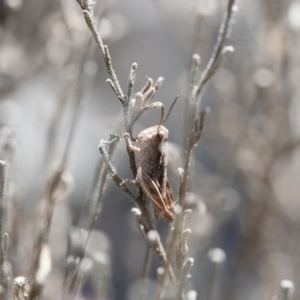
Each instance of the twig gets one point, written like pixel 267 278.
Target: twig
pixel 218 52
pixel 115 176
pixel 217 257
pixel 73 280
pixel 286 289
pixel 195 99
pixel 2 221
pixel 157 246
pixel 146 271
pixel 56 179
pixel 89 18
pixel 131 80
pixel 140 199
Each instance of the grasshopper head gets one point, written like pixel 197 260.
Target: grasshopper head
pixel 153 135
pixel 158 134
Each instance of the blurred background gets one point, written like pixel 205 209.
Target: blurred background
pixel 246 167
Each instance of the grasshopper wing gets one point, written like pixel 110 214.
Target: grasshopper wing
pixel 162 201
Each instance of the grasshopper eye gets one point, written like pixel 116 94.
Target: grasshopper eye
pixel 149 137
pixel 161 134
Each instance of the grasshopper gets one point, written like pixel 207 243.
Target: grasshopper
pixel 152 171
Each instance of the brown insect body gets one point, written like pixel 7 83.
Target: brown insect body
pixel 152 172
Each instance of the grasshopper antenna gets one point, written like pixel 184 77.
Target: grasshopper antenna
pixel 162 116
pixel 164 120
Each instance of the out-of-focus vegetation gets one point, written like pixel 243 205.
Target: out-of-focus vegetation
pixel 55 106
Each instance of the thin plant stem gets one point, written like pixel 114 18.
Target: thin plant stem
pixel 158 247
pixel 217 257
pixel 56 178
pixel 286 290
pixel 140 199
pixel 146 271
pixel 89 18
pixel 223 35
pixel 195 94
pixel 83 82
pixel 2 221
pixel 73 281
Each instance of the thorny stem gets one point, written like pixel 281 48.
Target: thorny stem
pixel 96 202
pixel 8 142
pixel 131 80
pixel 156 245
pixel 130 153
pixel 185 271
pixel 164 259
pixel 70 85
pixel 213 291
pixel 132 165
pixel 194 132
pixel 183 189
pixel 174 244
pixel 5 266
pixel 144 109
pixel 130 120
pixel 162 278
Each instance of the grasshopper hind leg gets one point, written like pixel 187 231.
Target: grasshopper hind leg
pixel 156 210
